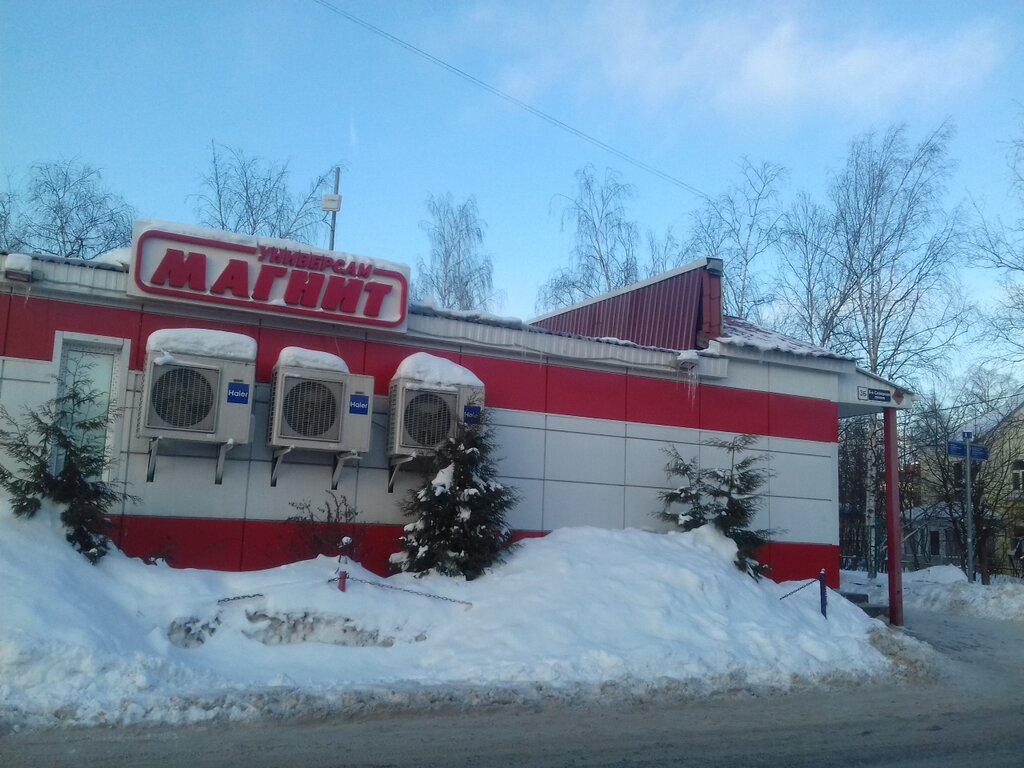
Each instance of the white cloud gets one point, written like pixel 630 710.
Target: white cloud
pixel 766 60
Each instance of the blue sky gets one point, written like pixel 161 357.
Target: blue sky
pixel 139 89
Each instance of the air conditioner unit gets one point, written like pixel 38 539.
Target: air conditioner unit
pixel 196 398
pixel 423 417
pixel 320 410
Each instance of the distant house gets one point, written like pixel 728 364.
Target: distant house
pixel 935 528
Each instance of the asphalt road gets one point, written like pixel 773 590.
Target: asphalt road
pixel 971 714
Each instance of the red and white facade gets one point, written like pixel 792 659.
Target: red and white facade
pixel 582 421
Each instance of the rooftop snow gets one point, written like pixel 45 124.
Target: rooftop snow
pixel 745 334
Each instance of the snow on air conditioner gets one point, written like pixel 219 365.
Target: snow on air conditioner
pixel 197 387
pixel 317 405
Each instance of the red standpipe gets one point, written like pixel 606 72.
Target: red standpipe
pixel 894 523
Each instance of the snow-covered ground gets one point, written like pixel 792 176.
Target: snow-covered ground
pixel 945 589
pixel 580 613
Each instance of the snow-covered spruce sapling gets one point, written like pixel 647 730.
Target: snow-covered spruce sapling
pixel 60 454
pixel 727 498
pixel 460 527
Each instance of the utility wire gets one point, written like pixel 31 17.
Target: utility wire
pixel 511 99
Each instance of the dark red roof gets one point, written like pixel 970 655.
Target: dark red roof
pixel 681 309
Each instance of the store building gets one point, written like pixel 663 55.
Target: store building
pixel 247 376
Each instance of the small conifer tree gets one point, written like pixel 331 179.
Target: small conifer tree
pixel 726 498
pixel 460 527
pixel 59 457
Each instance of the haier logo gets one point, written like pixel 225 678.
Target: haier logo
pixel 471 414
pixel 359 405
pixel 238 393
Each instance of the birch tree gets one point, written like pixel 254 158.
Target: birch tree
pixel 606 245
pixel 899 247
pixel 65 210
pixel 742 227
pixel 999 244
pixel 458 274
pixel 253 196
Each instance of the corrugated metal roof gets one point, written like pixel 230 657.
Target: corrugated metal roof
pixel 661 312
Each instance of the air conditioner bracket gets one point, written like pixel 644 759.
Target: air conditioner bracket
pixel 394 464
pixel 279 455
pixel 154 443
pixel 339 462
pixel 221 455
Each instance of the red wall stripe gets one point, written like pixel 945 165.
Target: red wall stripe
pixel 804 418
pixel 512 384
pixel 184 542
pixel 33 324
pixel 796 562
pixel 593 394
pixel 663 401
pixel 5 320
pixel 232 545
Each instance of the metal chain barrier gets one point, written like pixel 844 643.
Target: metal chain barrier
pixel 820 581
pixel 400 589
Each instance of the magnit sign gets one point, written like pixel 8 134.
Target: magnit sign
pixel 271 276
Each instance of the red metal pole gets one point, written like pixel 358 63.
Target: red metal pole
pixel 894 523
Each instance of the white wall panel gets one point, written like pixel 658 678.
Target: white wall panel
pixel 665 434
pixel 802 382
pixel 374 502
pixel 570 504
pixel 295 483
pixel 802 447
pixel 520 452
pixel 804 520
pixel 585 458
pixel 646 461
pixel 744 374
pixel 641 504
pixel 528 514
pixel 584 426
pixel 185 487
pixel 803 477
pixel 42 371
pixel 503 417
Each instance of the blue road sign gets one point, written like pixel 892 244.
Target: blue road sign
pixel 959 450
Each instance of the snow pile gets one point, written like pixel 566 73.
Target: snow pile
pixel 297 357
pixel 581 612
pixel 944 588
pixel 202 341
pixel 433 371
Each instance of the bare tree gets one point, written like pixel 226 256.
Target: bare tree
pixel 741 227
pixel 65 211
pixel 9 240
pixel 899 247
pixel 459 274
pixel 252 196
pixel 814 287
pixel 999 244
pixel 606 246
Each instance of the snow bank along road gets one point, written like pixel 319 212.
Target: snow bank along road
pixel 968 712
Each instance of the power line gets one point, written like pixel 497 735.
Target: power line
pixel 511 99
